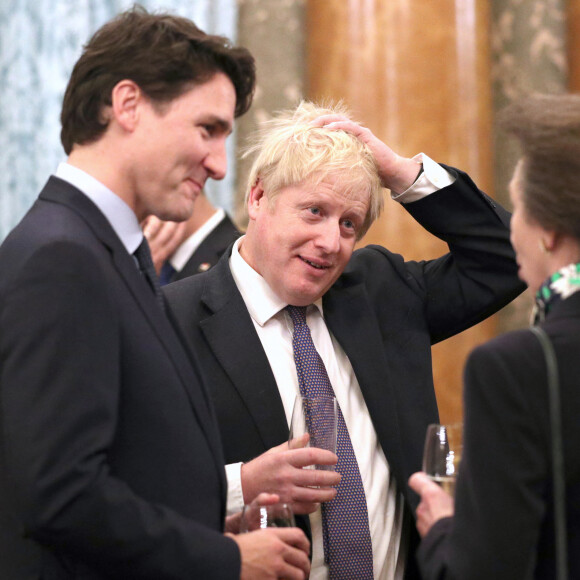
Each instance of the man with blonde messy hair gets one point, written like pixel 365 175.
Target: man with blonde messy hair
pixel 314 189
pixel 290 150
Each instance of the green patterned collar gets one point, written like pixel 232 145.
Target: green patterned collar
pixel 557 287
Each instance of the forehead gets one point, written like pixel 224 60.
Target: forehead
pixel 337 188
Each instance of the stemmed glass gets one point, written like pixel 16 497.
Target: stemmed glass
pixel 442 454
pixel 317 416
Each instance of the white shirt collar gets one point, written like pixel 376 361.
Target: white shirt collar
pixel 186 249
pixel 261 301
pixel 121 217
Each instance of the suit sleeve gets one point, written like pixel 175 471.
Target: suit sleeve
pixel 499 505
pixel 479 274
pixel 61 385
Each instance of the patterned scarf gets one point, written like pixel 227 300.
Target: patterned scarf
pixel 557 287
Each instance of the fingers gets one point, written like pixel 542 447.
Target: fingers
pixel 299 442
pixel 267 499
pixel 293 537
pixel 281 473
pixel 435 503
pixel 311 456
pixel 274 553
pixel 164 238
pixel 419 481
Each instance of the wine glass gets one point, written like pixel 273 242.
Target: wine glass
pixel 442 454
pixel 317 416
pixel 256 516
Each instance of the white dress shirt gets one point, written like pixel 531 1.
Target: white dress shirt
pixel 274 328
pixel 187 248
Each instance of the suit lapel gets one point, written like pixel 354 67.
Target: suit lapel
pixel 210 250
pixel 231 335
pixel 61 192
pixel 349 317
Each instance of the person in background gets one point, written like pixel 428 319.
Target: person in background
pixel 181 249
pixel 315 187
pixel 501 525
pixel 111 464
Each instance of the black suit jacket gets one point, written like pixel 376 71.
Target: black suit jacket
pixel 385 312
pixel 111 465
pixel 210 250
pixel 503 525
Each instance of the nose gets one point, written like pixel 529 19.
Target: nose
pixel 216 162
pixel 328 237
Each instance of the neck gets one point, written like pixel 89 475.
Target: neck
pixel 95 160
pixel 565 252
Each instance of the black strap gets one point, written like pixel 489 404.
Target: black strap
pixel 557 454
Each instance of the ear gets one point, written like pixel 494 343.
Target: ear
pixel 549 241
pixel 126 97
pixel 257 199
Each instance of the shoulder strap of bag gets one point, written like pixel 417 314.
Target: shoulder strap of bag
pixel 557 454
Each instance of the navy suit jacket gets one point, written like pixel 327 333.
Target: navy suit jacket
pixel 385 313
pixel 210 250
pixel 110 463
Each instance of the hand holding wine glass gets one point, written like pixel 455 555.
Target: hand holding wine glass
pixel 317 417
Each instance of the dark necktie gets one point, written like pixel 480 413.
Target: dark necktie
pixel 167 271
pixel 143 256
pixel 345 524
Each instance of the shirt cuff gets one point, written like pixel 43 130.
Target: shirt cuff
pixel 433 178
pixel 235 501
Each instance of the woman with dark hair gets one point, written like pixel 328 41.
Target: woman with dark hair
pixel 501 524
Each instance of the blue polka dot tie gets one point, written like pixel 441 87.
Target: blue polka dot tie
pixel 167 271
pixel 345 524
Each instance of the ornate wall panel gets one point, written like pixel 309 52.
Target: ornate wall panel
pixel 417 73
pixel 528 40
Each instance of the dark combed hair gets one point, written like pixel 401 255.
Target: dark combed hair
pixel 164 54
pixel 548 130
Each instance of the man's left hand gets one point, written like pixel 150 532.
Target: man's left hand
pixel 397 173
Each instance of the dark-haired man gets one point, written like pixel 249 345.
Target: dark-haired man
pixel 110 461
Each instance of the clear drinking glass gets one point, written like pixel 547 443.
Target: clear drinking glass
pixel 256 516
pixel 317 416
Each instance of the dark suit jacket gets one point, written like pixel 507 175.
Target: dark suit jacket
pixel 110 460
pixel 210 250
pixel 385 312
pixel 503 525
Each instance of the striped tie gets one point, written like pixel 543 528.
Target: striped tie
pixel 347 542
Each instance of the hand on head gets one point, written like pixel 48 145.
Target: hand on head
pixel 280 471
pixel 397 173
pixel 435 503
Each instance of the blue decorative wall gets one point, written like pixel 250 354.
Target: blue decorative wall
pixel 40 40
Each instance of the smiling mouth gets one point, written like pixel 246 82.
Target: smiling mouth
pixel 314 265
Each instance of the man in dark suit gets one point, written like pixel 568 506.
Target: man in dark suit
pixel 111 463
pixel 313 192
pixel 182 249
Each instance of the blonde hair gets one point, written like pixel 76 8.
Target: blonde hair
pixel 290 150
